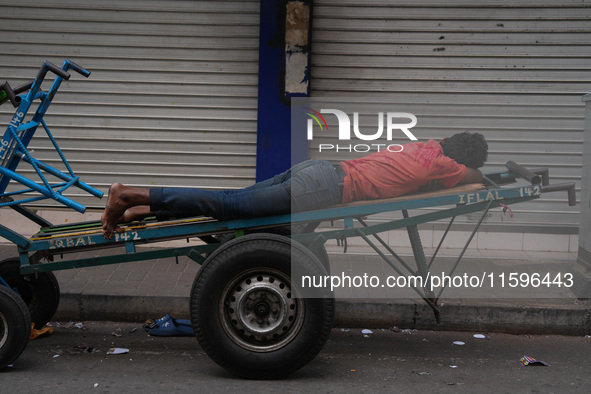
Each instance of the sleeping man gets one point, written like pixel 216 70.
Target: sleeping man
pixel 312 184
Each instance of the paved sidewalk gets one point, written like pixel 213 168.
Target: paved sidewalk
pixel 149 289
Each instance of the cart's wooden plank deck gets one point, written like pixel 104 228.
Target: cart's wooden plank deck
pixel 460 189
pixel 94 228
pixel 91 228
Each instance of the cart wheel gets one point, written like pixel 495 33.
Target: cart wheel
pixel 40 292
pixel 15 326
pixel 246 312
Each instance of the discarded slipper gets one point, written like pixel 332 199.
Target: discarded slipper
pixel 150 323
pixel 167 327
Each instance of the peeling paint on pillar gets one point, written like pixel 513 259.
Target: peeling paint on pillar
pixel 297 26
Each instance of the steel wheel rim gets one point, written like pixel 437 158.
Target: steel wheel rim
pixel 259 310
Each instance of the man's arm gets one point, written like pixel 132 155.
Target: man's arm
pixel 472 176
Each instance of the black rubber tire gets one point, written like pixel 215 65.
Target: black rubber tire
pixel 15 326
pixel 250 276
pixel 322 254
pixel 40 292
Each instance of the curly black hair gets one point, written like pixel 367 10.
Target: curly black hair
pixel 466 148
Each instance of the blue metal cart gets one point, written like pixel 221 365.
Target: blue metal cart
pixel 248 310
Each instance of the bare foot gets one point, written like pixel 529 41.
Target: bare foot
pixel 121 198
pixel 114 209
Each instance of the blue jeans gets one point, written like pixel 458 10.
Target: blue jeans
pixel 312 184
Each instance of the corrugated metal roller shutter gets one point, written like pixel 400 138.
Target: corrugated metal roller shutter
pixel 514 71
pixel 172 97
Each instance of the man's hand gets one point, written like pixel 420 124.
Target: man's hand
pixel 430 186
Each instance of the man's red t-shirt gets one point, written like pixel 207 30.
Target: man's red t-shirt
pixel 386 174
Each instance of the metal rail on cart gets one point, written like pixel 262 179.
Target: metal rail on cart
pixel 53 247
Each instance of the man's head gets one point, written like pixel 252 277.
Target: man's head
pixel 466 148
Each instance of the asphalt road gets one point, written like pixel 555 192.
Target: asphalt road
pixel 75 360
